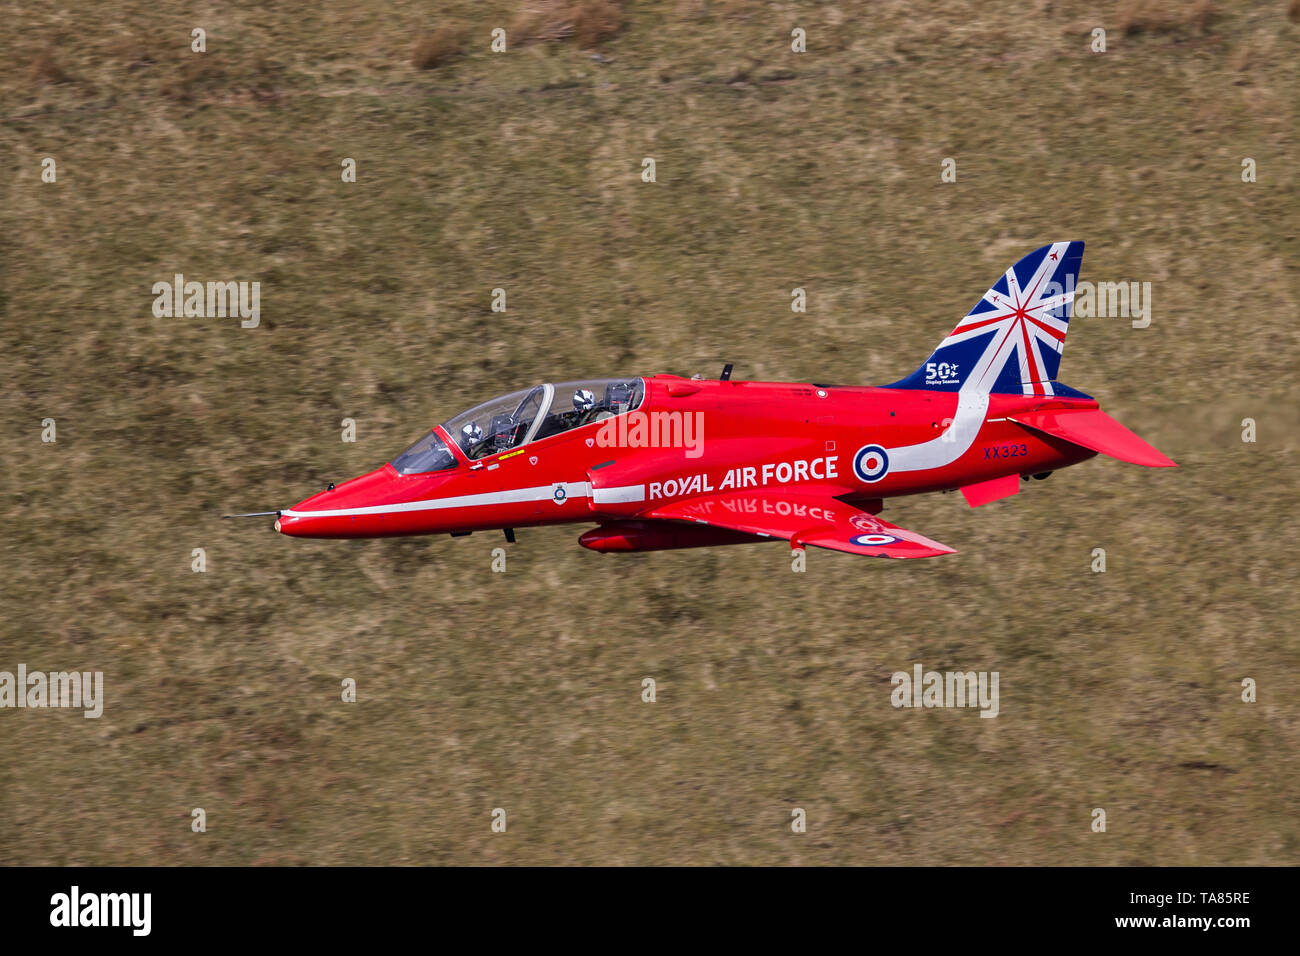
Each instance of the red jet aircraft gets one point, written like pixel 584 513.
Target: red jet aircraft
pixel 669 462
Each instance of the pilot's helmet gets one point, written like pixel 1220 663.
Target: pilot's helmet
pixel 584 400
pixel 472 433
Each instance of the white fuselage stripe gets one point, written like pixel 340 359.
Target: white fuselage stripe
pixel 966 423
pixel 614 496
pixel 572 489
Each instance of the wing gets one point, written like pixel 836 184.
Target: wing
pixel 802 518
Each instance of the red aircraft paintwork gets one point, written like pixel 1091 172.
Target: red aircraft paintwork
pixel 665 462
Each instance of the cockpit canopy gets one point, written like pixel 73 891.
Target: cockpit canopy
pixel 521 417
pixel 428 454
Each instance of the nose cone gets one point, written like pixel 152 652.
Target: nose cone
pixel 293 527
pixel 380 504
pixel 335 513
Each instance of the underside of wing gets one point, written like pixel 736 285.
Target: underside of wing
pixel 802 518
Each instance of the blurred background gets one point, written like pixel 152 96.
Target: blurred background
pixel 522 170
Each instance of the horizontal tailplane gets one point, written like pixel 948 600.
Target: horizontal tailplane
pixel 1093 429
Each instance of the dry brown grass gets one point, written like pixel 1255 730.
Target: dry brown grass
pixel 438 48
pixel 136 52
pixel 196 74
pixel 588 22
pixel 1164 16
pixel 735 9
pixel 537 22
pixel 1241 58
pixel 595 21
pixel 46 69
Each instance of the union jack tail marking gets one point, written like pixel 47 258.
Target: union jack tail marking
pixel 1011 341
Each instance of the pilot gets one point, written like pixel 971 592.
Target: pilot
pixel 584 400
pixel 471 436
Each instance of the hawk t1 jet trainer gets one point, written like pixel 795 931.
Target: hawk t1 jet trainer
pixel 668 462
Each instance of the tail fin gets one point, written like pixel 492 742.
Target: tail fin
pixel 1011 341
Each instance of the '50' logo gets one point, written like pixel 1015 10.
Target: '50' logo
pixel 940 373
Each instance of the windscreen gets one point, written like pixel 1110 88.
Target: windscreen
pixel 430 453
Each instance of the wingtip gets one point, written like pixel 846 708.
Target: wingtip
pixel 1157 460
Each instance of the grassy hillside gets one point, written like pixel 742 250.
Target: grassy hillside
pixel 522 170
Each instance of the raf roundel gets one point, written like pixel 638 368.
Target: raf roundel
pixel 871 463
pixel 872 540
